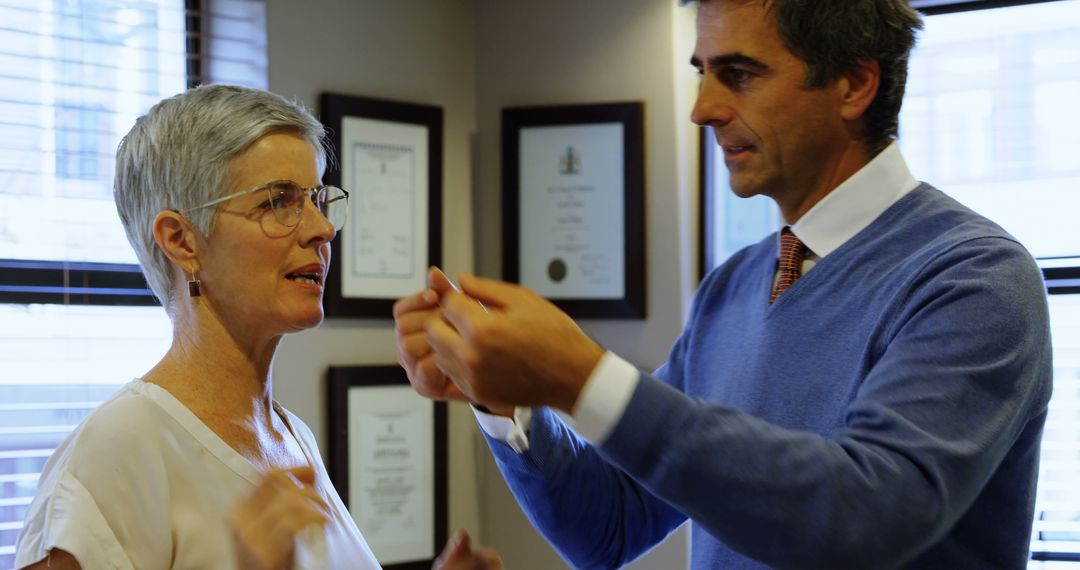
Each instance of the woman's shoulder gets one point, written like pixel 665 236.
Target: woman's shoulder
pixel 130 416
pixel 123 430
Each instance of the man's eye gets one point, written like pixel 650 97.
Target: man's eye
pixel 735 76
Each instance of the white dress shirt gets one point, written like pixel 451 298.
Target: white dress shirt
pixel 844 212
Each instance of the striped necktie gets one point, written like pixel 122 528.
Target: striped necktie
pixel 789 264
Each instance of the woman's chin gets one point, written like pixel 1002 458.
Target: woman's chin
pixel 303 322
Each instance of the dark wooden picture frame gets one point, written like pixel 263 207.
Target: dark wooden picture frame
pixel 631 116
pixel 343 380
pixel 334 110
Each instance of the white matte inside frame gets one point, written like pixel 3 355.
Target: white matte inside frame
pixel 392 471
pixel 572 211
pixel 384 166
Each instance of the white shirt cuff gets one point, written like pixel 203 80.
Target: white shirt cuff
pixel 513 431
pixel 604 398
pixel 599 408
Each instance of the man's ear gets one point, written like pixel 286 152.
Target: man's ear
pixel 176 237
pixel 858 88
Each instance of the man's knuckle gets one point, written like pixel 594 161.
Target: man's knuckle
pixel 473 361
pixel 483 330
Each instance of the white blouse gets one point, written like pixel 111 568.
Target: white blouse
pixel 143 483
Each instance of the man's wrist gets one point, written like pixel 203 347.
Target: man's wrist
pixel 605 397
pixel 582 370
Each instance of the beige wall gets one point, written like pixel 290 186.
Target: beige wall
pixel 474 57
pixel 565 52
pixel 420 51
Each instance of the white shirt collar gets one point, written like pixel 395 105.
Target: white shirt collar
pixel 856 202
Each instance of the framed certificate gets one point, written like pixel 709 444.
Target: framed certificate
pixel 387 460
pixel 389 159
pixel 573 206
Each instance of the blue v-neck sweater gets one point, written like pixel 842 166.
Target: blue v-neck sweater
pixel 885 412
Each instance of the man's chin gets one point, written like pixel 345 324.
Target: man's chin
pixel 744 190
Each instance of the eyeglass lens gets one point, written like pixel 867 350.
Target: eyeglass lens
pixel 287 200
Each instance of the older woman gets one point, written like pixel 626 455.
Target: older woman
pixel 194 465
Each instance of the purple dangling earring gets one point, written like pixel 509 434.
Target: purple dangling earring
pixel 194 287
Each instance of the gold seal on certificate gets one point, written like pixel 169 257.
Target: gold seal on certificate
pixel 557 270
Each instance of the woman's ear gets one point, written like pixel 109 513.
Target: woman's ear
pixel 176 237
pixel 859 88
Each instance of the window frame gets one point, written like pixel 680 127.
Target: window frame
pixel 73 283
pixel 934 7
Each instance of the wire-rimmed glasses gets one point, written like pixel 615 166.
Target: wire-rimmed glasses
pixel 286 199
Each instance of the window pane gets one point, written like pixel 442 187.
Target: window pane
pixel 991 117
pixel 77 74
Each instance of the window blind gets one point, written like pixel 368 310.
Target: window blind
pixel 1056 532
pixel 74 75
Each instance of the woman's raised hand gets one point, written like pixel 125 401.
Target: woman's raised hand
pixel 266 524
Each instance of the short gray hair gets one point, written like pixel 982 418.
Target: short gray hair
pixel 177 155
pixel 833 37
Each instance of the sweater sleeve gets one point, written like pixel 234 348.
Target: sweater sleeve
pixel 962 376
pixel 592 513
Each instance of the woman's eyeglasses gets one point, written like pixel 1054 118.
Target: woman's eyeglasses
pixel 286 199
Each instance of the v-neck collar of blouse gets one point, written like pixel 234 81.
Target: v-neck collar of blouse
pixel 206 436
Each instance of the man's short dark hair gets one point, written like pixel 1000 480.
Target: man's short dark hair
pixel 832 37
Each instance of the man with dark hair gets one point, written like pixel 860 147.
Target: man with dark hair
pixel 865 389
